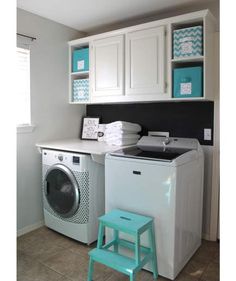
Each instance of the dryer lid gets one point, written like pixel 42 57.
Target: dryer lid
pixel 134 152
pixel 158 148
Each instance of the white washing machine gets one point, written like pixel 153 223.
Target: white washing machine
pixel 162 178
pixel 73 194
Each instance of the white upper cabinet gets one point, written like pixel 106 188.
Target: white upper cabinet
pixel 107 65
pixel 140 63
pixel 145 55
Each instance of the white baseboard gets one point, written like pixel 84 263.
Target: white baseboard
pixel 206 236
pixel 29 228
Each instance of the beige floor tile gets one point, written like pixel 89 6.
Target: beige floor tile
pixel 143 275
pixel 195 268
pixel 211 273
pixel 39 272
pixel 76 247
pixel 44 254
pixel 216 258
pixel 64 278
pixel 117 276
pixel 24 262
pixel 65 262
pixel 42 249
pixel 39 236
pixel 185 277
pixel 75 266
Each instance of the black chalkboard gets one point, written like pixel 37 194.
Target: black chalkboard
pixel 180 119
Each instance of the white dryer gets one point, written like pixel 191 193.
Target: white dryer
pixel 162 178
pixel 73 194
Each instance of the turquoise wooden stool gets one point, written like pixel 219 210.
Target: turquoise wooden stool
pixel 132 224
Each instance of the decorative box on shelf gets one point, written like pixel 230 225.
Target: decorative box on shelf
pixel 80 90
pixel 188 42
pixel 187 82
pixel 81 60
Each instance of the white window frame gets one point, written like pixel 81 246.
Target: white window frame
pixel 29 127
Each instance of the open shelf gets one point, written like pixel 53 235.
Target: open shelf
pixel 79 80
pixel 80 73
pixel 189 59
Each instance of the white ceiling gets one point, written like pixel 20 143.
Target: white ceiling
pixel 86 15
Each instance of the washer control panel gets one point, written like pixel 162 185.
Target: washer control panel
pixel 74 161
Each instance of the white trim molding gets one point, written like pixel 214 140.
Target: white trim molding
pixel 22 129
pixel 29 228
pixel 214 227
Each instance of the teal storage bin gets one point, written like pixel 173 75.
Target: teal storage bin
pixel 188 82
pixel 80 90
pixel 188 42
pixel 80 60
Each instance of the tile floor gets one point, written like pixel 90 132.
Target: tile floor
pixel 45 255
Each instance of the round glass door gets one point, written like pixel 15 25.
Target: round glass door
pixel 61 190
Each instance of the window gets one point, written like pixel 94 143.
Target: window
pixel 23 116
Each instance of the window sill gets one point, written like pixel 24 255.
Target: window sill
pixel 24 129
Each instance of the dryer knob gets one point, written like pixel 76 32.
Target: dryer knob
pixel 60 157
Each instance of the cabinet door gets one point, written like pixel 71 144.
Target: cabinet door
pixel 145 62
pixel 108 67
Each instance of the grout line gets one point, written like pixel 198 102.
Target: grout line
pixel 53 269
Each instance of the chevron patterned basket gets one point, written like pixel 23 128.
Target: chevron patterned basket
pixel 81 90
pixel 188 42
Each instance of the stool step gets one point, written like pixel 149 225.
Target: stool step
pixel 125 221
pixel 114 260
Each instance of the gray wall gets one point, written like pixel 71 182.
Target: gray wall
pixel 55 118
pixel 52 115
pixel 188 8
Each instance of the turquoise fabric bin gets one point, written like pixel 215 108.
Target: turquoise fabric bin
pixel 188 42
pixel 80 90
pixel 80 60
pixel 188 82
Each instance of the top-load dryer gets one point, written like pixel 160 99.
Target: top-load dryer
pixel 163 178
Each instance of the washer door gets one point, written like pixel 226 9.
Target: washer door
pixel 61 190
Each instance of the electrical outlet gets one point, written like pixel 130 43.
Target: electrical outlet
pixel 207 134
pixel 158 134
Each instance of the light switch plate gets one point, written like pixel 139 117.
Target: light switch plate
pixel 207 134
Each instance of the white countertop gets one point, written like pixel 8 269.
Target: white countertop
pixel 77 145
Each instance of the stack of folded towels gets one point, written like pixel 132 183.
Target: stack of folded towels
pixel 121 133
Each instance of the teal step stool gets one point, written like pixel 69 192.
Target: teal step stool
pixel 132 224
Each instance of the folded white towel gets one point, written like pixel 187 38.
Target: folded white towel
pixel 123 125
pixel 118 131
pixel 122 140
pixel 113 136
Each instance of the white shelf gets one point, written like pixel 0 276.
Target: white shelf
pixel 188 99
pixel 79 102
pixel 80 73
pixel 188 59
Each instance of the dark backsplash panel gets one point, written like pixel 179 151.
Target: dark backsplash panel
pixel 181 119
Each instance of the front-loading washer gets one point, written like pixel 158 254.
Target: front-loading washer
pixel 73 194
